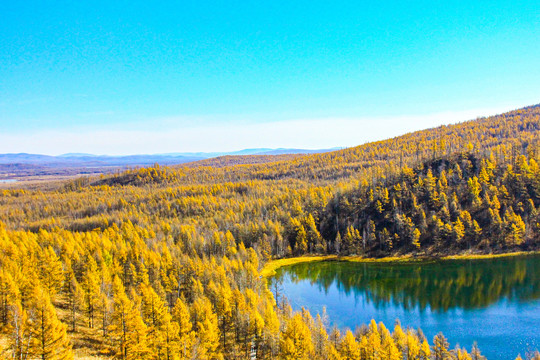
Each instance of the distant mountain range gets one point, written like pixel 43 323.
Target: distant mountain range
pixel 22 164
pixel 81 159
pixel 256 151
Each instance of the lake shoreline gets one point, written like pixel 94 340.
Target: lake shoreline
pixel 269 269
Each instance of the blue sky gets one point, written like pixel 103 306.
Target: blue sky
pixel 123 77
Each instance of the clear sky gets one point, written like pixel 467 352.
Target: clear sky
pixel 122 77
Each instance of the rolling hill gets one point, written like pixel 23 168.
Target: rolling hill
pixel 169 255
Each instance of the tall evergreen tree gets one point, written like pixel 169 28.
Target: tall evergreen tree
pixel 49 340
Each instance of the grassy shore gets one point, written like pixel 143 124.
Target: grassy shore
pixel 271 266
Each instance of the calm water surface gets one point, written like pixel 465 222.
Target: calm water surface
pixel 493 301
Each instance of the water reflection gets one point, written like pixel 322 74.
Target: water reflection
pixel 439 285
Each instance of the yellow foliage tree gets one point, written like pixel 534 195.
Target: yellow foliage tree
pixel 51 274
pixel 296 340
pixel 127 330
pixel 349 348
pixel 206 327
pixel 181 317
pixel 49 340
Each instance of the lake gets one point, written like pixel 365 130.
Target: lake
pixel 493 301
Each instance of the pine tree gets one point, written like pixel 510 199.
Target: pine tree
pixel 412 350
pixel 475 353
pixel 207 330
pixel 157 318
pixel 74 297
pixel 348 348
pixel 430 190
pixel 271 331
pixel 51 274
pixel 49 335
pixel 320 336
pixel 335 336
pixel 338 244
pixel 416 238
pixel 90 285
pixel 351 241
pixel 474 191
pixel 425 351
pixel 296 340
pixel 180 315
pixel 400 337
pixel 105 303
pixel 460 354
pixel 9 294
pixel 314 239
pixel 221 298
pixel 390 350
pixel 477 231
pixel 127 330
pixel 440 347
pixel 301 241
pixel 20 336
pixel 458 231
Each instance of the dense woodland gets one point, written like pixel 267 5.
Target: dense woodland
pixel 163 262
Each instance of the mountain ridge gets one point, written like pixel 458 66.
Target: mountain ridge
pixel 27 164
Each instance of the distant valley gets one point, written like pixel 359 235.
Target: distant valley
pixel 24 166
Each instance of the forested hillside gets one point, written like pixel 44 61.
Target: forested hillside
pixel 448 204
pixel 163 262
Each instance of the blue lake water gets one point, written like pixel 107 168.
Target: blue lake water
pixel 495 302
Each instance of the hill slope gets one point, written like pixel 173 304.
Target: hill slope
pixel 514 132
pixel 168 258
pixel 448 204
